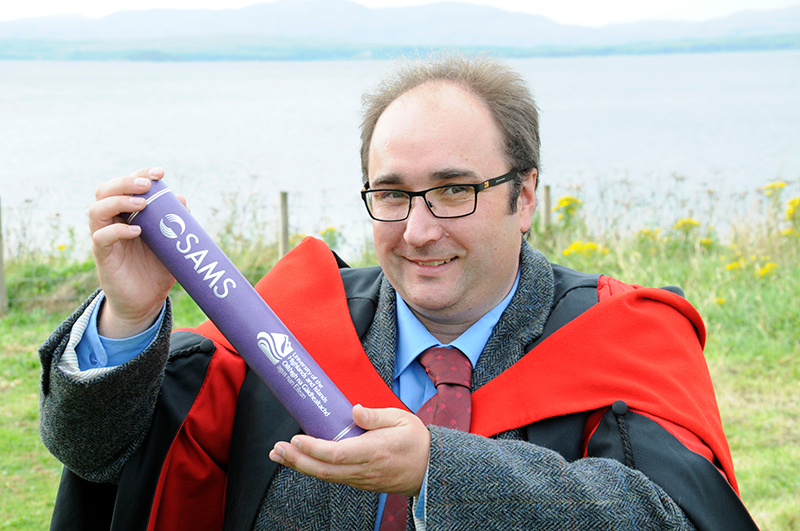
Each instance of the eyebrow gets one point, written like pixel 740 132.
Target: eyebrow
pixel 395 179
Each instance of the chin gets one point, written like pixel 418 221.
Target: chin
pixel 426 300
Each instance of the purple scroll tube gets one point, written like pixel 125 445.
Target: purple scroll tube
pixel 239 312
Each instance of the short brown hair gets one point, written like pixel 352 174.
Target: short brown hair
pixel 503 90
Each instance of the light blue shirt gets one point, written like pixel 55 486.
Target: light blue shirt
pixel 411 383
pixel 95 351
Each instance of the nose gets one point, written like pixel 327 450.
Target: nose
pixel 421 225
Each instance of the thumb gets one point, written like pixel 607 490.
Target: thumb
pixel 373 419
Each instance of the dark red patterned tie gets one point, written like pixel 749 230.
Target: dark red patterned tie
pixel 450 371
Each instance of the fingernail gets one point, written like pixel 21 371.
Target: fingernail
pixel 137 201
pixel 275 456
pixel 297 442
pixel 156 171
pixel 141 182
pixel 136 229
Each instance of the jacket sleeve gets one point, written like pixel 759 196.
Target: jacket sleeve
pixel 512 484
pixel 94 426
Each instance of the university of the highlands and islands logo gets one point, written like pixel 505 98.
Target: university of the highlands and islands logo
pixel 175 222
pixel 275 346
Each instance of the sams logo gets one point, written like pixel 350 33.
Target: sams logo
pixel 173 220
pixel 275 346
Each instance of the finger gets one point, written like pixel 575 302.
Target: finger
pixel 183 201
pixel 378 476
pixel 346 452
pixel 105 211
pixel 373 419
pixel 107 236
pixel 355 450
pixel 135 183
pixel 155 174
pixel 292 457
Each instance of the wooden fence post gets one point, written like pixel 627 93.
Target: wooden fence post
pixel 545 208
pixel 283 225
pixel 3 296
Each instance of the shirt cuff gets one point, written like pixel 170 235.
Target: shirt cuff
pixel 419 504
pixel 95 351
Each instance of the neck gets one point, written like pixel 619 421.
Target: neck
pixel 445 332
pixel 446 326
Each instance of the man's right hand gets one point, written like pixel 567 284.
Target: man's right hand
pixel 134 281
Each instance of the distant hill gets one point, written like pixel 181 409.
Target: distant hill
pixel 322 29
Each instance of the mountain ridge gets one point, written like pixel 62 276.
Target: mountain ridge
pixel 330 24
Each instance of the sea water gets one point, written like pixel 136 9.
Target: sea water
pixel 654 136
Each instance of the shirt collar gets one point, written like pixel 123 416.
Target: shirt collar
pixel 413 338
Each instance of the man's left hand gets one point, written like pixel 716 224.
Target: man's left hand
pixel 391 456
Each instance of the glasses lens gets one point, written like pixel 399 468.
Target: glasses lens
pixel 451 201
pixel 388 205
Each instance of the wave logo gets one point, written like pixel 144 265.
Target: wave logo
pixel 174 220
pixel 275 346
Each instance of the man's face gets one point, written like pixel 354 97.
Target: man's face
pixel 450 271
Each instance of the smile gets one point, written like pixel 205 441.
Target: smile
pixel 433 263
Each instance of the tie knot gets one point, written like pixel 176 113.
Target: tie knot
pixel 447 365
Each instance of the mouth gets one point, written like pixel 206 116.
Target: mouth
pixel 432 263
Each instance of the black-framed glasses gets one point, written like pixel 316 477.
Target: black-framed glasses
pixel 445 202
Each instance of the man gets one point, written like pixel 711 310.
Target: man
pixel 450 162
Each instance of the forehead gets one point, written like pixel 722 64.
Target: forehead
pixel 435 126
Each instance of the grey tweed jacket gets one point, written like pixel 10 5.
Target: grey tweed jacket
pixel 502 483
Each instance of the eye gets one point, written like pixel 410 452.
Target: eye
pixel 456 190
pixel 389 196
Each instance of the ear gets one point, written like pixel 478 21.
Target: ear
pixel 527 200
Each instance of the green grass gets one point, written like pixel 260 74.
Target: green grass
pixel 28 473
pixel 750 309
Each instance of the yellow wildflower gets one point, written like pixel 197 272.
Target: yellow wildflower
pixel 793 212
pixel 650 233
pixel 584 248
pixel 772 187
pixel 768 269
pixel 567 202
pixel 61 247
pixel 706 242
pixel 685 224
pixel 790 233
pixel 734 265
pixel 719 300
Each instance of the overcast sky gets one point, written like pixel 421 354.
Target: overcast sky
pixel 581 12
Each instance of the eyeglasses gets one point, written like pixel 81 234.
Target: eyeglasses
pixel 444 202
